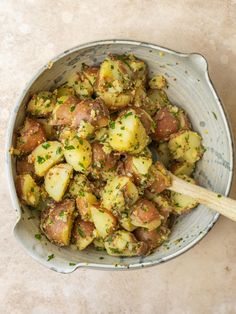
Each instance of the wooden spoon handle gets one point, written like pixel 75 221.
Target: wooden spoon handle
pixel 223 205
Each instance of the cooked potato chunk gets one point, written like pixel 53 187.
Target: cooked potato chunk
pixel 41 104
pixel 145 119
pixel 166 123
pixel 138 168
pixel 64 90
pixel 78 153
pixel 99 244
pixel 79 185
pixel 144 213
pixel 80 84
pixel 50 130
pixel 24 167
pixel 27 190
pixel 127 134
pixel 163 203
pixel 63 114
pixel 126 223
pixel 139 68
pixel 114 82
pixel 183 203
pixel 91 111
pixel 45 156
pixel 83 233
pixel 84 201
pixel 124 243
pixel 119 193
pixel 102 162
pixel 57 180
pixel 156 99
pixel 163 153
pixel 30 136
pixel 103 220
pixel 186 146
pixel 159 177
pixel 183 167
pixel 57 222
pixel 154 238
pixel 158 82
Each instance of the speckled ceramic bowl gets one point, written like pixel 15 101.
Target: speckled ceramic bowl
pixel 190 88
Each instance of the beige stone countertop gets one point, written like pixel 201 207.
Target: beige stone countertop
pixel 203 280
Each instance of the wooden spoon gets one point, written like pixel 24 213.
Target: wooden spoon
pixel 223 205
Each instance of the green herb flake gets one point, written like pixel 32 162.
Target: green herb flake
pixel 72 264
pixel 72 108
pixel 46 145
pixel 38 236
pixel 219 195
pixel 81 232
pixel 40 160
pixel 128 114
pixel 50 257
pixel 81 141
pixel 112 124
pixel 214 114
pixel 69 147
pixel 58 151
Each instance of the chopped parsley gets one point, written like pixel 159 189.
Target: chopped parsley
pixel 72 108
pixel 40 160
pixel 112 124
pixel 69 147
pixel 46 145
pixel 214 114
pixel 72 264
pixel 50 257
pixel 81 232
pixel 38 236
pixel 128 114
pixel 58 151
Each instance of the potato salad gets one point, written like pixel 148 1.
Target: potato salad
pixel 83 158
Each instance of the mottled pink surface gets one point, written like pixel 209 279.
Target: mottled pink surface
pixel 202 280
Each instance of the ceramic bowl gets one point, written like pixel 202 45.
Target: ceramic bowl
pixel 189 87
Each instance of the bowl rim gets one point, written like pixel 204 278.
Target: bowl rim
pixel 9 166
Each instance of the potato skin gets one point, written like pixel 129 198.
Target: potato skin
pixel 63 113
pixel 140 176
pixel 92 111
pixel 27 190
pixel 160 179
pixel 83 233
pixel 23 166
pixel 144 213
pixel 154 238
pixel 166 124
pixel 145 119
pixel 124 243
pixel 57 221
pixel 84 201
pixel 101 161
pixel 31 135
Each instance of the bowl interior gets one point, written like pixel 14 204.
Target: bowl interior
pixel 189 88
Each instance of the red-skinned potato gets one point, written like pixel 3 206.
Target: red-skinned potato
pixel 63 113
pixel 144 213
pixel 102 162
pixel 84 201
pixel 31 135
pixel 138 167
pixel 166 124
pixel 57 222
pixel 27 190
pixel 23 166
pixel 92 111
pixel 124 243
pixel 145 119
pixel 154 238
pixel 83 233
pixel 159 177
